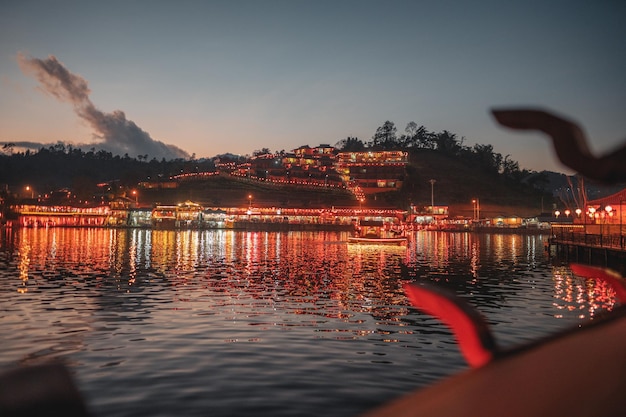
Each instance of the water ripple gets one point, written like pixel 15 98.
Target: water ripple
pixel 240 323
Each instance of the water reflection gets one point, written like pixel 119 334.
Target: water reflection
pixel 504 274
pixel 260 312
pixel 298 264
pixel 583 296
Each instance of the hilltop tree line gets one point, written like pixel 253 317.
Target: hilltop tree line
pixel 416 138
pixel 63 166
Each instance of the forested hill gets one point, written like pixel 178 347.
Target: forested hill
pixel 459 176
pixel 459 181
pixel 461 172
pixel 59 167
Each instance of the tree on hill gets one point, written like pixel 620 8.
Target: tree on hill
pixel 417 137
pixel 448 143
pixel 385 137
pixel 350 144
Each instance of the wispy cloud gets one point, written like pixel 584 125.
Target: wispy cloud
pixel 114 132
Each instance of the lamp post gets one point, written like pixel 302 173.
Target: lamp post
pixel 621 224
pixel 249 201
pixel 476 207
pixel 609 215
pixel 136 197
pixel 432 197
pixel 592 212
pixel 32 192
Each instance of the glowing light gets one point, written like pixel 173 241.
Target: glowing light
pixel 476 208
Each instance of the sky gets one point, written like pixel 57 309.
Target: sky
pixel 180 78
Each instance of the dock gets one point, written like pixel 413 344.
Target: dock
pixel 594 244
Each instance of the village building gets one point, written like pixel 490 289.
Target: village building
pixel 373 171
pixel 609 209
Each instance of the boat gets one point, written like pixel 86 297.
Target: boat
pixel 531 380
pixel 378 240
pixel 377 232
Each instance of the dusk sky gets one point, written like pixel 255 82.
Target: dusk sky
pixel 210 77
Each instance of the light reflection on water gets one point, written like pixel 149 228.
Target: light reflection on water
pixel 237 323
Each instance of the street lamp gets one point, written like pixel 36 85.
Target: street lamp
pixel 621 223
pixel 32 192
pixel 249 201
pixel 607 219
pixel 476 207
pixel 134 192
pixel 432 197
pixel 592 212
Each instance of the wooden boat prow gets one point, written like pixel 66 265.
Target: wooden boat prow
pixel 578 372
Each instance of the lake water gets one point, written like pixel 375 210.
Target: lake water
pixel 233 323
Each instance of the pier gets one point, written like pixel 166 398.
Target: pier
pixel 600 244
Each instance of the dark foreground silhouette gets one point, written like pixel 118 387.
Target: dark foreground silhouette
pixel 570 143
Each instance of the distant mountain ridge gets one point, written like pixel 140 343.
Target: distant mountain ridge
pixel 557 182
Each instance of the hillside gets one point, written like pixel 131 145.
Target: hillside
pixel 457 184
pixel 226 191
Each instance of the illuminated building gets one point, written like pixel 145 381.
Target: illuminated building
pixel 61 216
pixel 361 172
pixel 189 215
pixel 373 171
pixel 609 209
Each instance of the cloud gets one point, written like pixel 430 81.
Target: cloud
pixel 114 131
